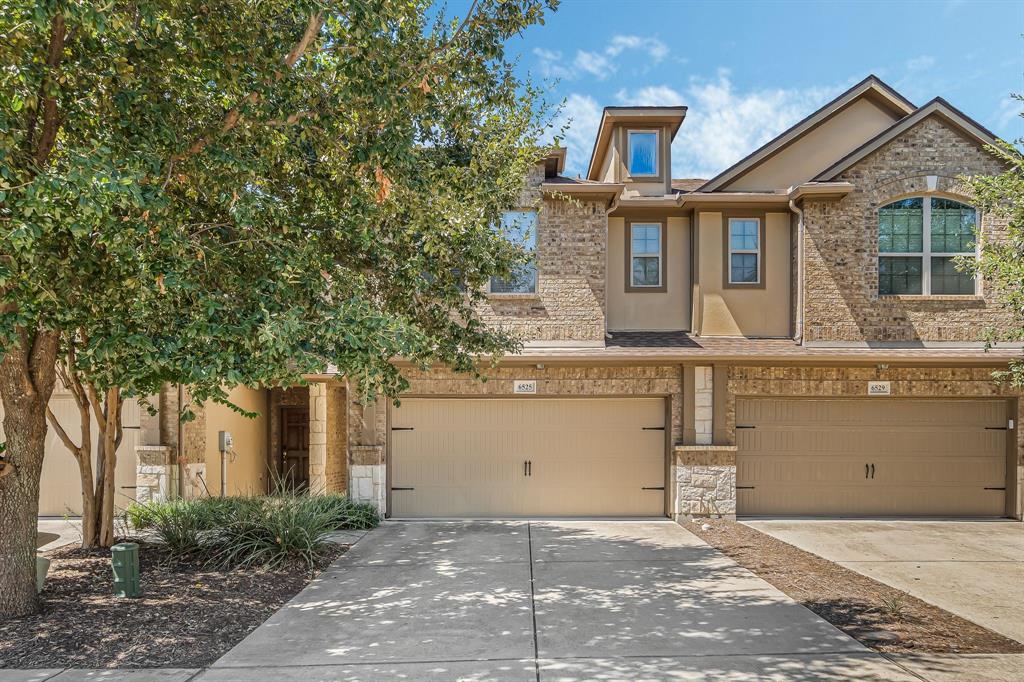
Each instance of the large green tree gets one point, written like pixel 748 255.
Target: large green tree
pixel 241 192
pixel 1002 260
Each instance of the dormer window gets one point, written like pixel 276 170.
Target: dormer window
pixel 643 153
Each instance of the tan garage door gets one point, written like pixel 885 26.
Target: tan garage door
pixel 871 457
pixel 527 457
pixel 60 488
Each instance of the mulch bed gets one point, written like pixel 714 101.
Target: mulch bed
pixel 187 617
pixel 856 604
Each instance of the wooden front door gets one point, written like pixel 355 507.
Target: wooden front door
pixel 295 447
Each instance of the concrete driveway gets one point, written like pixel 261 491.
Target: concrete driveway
pixel 544 601
pixel 974 569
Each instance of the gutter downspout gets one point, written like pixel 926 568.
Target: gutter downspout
pixel 614 204
pixel 799 335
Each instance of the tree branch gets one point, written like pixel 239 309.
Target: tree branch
pixel 51 123
pixel 234 115
pixel 65 438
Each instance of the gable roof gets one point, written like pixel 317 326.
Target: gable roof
pixel 872 86
pixel 937 107
pixel 673 116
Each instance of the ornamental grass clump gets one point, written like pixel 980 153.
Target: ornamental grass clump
pixel 268 531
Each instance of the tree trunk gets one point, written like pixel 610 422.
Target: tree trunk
pixel 27 378
pixel 108 453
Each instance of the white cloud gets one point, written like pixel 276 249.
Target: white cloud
pixel 551 65
pixel 656 49
pixel 593 63
pixel 921 63
pixel 1008 116
pixel 597 63
pixel 583 116
pixel 723 125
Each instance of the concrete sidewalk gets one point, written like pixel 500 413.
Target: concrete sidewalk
pixel 974 569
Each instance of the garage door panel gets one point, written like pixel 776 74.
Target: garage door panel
pixel 464 457
pixel 930 457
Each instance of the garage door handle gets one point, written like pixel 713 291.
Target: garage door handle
pixel 1003 488
pixel 397 488
pixel 745 427
pixel 659 487
pixel 872 472
pixel 654 428
pixel 402 428
pixel 867 468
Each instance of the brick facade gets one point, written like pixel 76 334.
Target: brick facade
pixel 571 264
pixel 841 246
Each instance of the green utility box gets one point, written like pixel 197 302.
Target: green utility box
pixel 124 557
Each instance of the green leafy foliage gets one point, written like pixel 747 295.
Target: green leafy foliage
pixel 269 530
pixel 243 192
pixel 1002 261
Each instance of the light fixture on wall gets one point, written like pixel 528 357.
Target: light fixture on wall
pixel 540 365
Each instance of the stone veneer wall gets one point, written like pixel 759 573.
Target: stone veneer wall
pixel 841 247
pixel 705 481
pixel 703 404
pixel 571 263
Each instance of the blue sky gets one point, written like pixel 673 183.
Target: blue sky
pixel 748 70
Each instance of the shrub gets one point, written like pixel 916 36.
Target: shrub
pixel 284 530
pixel 269 530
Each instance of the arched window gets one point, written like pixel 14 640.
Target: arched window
pixel 918 239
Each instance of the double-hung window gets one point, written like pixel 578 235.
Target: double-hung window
pixel 519 227
pixel 643 153
pixel 918 241
pixel 744 250
pixel 645 255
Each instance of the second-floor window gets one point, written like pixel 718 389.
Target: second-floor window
pixel 744 251
pixel 918 241
pixel 519 227
pixel 645 254
pixel 643 153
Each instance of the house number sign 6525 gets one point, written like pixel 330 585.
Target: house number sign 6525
pixel 524 387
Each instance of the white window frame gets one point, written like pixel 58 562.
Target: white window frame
pixel 756 252
pixel 658 255
pixel 926 253
pixel 536 269
pixel 657 151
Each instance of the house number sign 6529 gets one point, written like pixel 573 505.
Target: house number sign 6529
pixel 879 388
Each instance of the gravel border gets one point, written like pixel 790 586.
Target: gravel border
pixel 879 616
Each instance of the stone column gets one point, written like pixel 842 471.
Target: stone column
pixel 703 404
pixel 705 481
pixel 318 437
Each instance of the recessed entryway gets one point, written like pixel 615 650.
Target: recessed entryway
pixel 871 457
pixel 453 457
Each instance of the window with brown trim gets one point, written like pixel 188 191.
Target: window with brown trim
pixel 645 256
pixel 744 250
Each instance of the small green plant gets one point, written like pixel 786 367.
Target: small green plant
pixel 894 608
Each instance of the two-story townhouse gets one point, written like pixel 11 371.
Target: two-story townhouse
pixel 790 337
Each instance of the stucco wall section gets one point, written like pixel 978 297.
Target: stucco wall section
pixel 841 246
